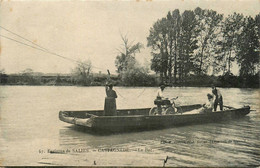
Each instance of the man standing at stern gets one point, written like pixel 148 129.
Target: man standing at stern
pixel 218 99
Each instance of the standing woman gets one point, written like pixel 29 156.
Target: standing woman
pixel 110 101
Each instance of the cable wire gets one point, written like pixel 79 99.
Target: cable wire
pixel 40 48
pixel 24 38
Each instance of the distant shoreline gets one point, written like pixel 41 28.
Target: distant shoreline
pixel 198 86
pixel 225 81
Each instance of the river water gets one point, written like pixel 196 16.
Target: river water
pixel 32 134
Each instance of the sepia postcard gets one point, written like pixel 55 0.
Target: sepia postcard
pixel 135 83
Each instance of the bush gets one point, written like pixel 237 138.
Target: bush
pixel 137 76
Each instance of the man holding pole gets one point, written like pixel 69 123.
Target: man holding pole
pixel 218 99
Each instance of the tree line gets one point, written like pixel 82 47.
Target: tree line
pixel 199 42
pixel 80 76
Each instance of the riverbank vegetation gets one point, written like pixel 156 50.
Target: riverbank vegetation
pixel 131 78
pixel 195 48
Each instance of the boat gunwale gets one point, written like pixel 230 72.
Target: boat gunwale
pixel 232 109
pixel 127 109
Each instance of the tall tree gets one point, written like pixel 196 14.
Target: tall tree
pixel 257 21
pixel 169 38
pixel 174 22
pixel 248 48
pixel 158 41
pixel 188 43
pixel 231 28
pixel 208 23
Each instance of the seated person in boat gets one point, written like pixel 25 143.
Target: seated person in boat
pixel 218 100
pixel 110 101
pixel 168 104
pixel 159 101
pixel 208 107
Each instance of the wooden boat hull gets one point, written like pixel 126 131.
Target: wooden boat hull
pixel 134 119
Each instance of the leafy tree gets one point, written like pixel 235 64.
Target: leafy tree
pixel 248 48
pixel 218 62
pixel 82 73
pixel 164 41
pixel 231 28
pixel 187 44
pixel 158 41
pixel 208 24
pixel 174 39
pixel 137 75
pixel 257 21
pixel 127 54
pixel 174 22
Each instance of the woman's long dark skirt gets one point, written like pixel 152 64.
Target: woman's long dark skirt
pixel 110 106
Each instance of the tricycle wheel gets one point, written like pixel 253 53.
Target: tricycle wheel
pixel 170 110
pixel 153 111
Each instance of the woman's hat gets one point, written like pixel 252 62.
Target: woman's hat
pixel 209 96
pixel 110 85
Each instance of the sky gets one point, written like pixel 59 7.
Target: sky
pixel 89 30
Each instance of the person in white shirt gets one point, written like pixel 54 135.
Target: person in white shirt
pixel 159 94
pixel 159 97
pixel 208 107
